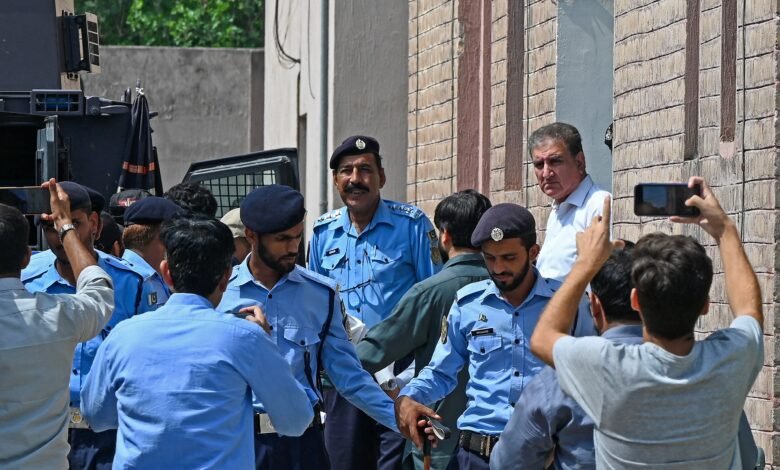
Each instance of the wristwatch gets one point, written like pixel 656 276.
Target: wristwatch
pixel 65 229
pixel 389 385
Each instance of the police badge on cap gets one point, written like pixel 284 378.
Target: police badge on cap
pixel 501 222
pixel 497 234
pixel 360 144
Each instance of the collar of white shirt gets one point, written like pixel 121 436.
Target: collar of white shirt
pixel 579 195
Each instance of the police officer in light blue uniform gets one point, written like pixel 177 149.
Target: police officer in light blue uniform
pixel 50 272
pixel 305 316
pixel 143 248
pixel 489 328
pixel 375 250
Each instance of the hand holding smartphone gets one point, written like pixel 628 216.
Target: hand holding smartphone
pixel 30 200
pixel 664 199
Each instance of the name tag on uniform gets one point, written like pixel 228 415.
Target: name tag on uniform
pixel 332 252
pixel 482 332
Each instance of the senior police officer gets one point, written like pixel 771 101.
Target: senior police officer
pixel 559 165
pixel 414 325
pixel 144 249
pixel 488 328
pixel 51 272
pixel 304 313
pixel 375 250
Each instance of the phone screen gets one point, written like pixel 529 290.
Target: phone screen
pixel 29 200
pixel 664 199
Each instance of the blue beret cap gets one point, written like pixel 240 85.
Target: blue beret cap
pixel 503 221
pixel 78 195
pixel 151 210
pixel 271 209
pixel 355 145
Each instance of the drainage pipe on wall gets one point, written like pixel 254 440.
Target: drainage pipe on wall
pixel 324 37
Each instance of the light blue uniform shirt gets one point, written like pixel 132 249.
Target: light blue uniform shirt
pixel 156 292
pixel 375 268
pixel 177 382
pixel 493 337
pixel 41 275
pixel 296 308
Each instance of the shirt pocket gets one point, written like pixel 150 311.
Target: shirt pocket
pixel 301 337
pixel 484 345
pixel 332 261
pixel 385 262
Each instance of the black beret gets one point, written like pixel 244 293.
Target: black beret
pixel 151 210
pixel 271 209
pixel 98 200
pixel 78 195
pixel 123 199
pixel 503 221
pixel 355 145
pixel 111 233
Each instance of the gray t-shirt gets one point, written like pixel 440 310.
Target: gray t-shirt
pixel 651 407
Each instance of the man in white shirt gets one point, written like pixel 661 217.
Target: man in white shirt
pixel 672 402
pixel 559 165
pixel 38 336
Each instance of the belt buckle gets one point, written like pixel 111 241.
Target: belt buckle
pixel 75 416
pixel 484 446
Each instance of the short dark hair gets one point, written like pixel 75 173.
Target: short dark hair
pixel 672 275
pixel 138 237
pixel 194 198
pixel 566 133
pixel 199 250
pixel 14 232
pixel 612 285
pixel 459 214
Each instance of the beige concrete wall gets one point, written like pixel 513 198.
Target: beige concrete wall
pixel 210 101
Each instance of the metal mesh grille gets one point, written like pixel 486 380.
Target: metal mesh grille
pixel 230 190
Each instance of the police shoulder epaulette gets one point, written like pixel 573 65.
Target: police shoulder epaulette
pixel 118 264
pixel 327 217
pixel 316 277
pixel 471 289
pixel 407 210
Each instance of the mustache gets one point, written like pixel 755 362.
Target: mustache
pixel 355 186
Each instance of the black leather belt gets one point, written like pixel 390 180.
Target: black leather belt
pixel 477 443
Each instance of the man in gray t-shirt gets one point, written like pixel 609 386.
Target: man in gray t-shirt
pixel 672 402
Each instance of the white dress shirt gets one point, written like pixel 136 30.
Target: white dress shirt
pixel 38 334
pixel 566 219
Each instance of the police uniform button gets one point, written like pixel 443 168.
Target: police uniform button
pixel 517 373
pixel 517 341
pixel 359 261
pixel 303 343
pixel 512 404
pixel 517 314
pixel 482 350
pixel 270 296
pixel 75 372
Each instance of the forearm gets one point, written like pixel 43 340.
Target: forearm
pixel 558 316
pixel 79 255
pixel 742 290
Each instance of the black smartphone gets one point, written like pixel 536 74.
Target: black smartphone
pixel 30 200
pixel 664 199
pixel 441 431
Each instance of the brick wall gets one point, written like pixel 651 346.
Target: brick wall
pixel 652 43
pixel 433 47
pixel 650 55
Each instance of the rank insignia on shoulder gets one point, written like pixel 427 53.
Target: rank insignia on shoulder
pixel 443 329
pixel 482 317
pixel 152 298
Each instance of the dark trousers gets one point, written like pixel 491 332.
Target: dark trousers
pixel 90 450
pixel 468 460
pixel 357 442
pixel 306 452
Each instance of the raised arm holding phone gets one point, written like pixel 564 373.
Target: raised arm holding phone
pixel 671 399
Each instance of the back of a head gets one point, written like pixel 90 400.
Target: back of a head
pixel 110 234
pixel 194 198
pixel 566 133
pixel 14 233
pixel 613 284
pixel 672 275
pixel 459 214
pixel 199 252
